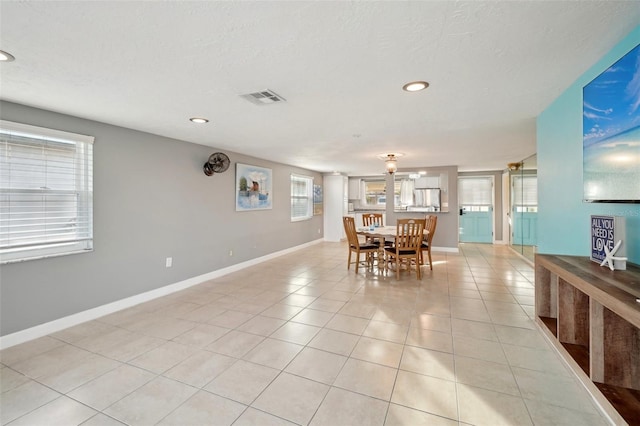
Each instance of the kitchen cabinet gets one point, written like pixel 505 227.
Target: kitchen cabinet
pixel 355 192
pixel 425 182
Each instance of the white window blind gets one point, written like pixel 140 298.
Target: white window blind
pixel 301 197
pixel 475 191
pixel 525 190
pixel 46 192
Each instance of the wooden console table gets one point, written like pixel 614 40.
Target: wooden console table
pixel 591 315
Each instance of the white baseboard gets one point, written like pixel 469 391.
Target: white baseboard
pixel 100 311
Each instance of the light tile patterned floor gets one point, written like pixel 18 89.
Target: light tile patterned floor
pixel 301 340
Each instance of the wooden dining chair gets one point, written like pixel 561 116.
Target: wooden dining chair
pixel 406 249
pixel 375 219
pixel 355 246
pixel 430 229
pixel 372 219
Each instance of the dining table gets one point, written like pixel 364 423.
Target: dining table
pixel 377 231
pixel 383 233
pixel 380 231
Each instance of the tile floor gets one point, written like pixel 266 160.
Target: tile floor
pixel 301 340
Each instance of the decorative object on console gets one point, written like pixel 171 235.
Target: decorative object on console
pixel 607 240
pixel 614 262
pixel 217 163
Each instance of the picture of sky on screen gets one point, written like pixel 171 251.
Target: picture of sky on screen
pixel 611 133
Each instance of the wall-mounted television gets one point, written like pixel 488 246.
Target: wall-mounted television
pixel 611 133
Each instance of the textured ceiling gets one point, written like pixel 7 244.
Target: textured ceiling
pixel 493 67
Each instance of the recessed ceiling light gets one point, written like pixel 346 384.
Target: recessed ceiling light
pixel 415 86
pixel 6 57
pixel 199 120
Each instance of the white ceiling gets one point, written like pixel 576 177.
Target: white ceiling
pixel 493 67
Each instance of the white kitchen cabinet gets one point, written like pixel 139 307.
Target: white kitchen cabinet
pixel 354 188
pixel 427 182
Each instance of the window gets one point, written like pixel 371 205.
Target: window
pixel 375 193
pixel 475 194
pixel 301 197
pixel 46 192
pixel 525 194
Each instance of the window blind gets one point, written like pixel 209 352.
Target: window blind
pixel 46 192
pixel 475 191
pixel 525 190
pixel 301 197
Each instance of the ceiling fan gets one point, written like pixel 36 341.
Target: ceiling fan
pixel 218 162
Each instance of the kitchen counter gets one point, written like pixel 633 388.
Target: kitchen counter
pixel 419 210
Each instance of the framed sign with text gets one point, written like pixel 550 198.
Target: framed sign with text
pixel 606 231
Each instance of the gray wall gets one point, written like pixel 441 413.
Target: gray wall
pixel 151 201
pixel 447 229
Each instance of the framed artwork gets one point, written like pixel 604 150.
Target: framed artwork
pixel 253 187
pixel 317 200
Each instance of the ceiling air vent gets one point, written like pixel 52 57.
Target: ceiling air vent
pixel 264 97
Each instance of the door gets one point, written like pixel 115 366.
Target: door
pixel 476 209
pixel 525 224
pixel 524 210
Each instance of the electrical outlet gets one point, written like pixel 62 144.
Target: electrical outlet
pixel 169 262
pixel 318 230
pixel 230 252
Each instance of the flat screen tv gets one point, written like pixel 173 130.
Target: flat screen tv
pixel 611 133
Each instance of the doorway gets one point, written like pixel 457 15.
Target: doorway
pixel 476 200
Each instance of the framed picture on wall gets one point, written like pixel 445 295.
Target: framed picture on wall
pixel 317 200
pixel 253 187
